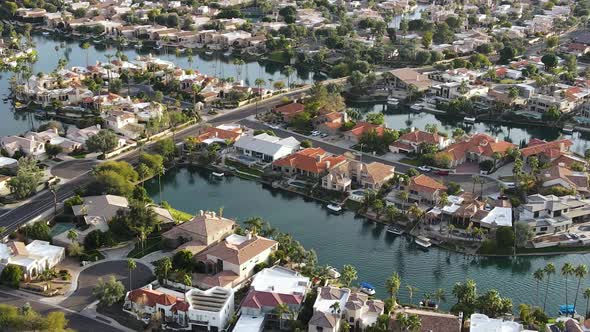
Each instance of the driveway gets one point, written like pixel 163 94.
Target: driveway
pixel 72 168
pixel 87 279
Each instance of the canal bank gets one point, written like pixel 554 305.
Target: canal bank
pixel 346 239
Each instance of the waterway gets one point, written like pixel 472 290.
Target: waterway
pixel 401 118
pixel 52 48
pixel 345 239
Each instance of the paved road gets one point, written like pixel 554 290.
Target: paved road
pixel 76 321
pixel 83 297
pixel 490 187
pixel 73 168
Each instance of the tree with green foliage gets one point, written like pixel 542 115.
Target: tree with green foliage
pixel 110 183
pixel 392 285
pixel 104 141
pixel 427 39
pixel 549 270
pixel 183 260
pixel 166 148
pixel 580 272
pixel 108 292
pixel 163 268
pixel 466 295
pixel 28 176
pixel 11 276
pixel 131 265
pixel 348 275
pixel 552 114
pixel 492 304
pixel 550 61
pixel 122 168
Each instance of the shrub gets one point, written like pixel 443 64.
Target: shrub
pixel 11 276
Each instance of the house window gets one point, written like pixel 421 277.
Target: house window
pixel 319 328
pixel 543 229
pixel 536 214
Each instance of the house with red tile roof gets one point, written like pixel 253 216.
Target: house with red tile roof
pixel 547 152
pixel 367 176
pixel 476 148
pixel 423 188
pixel 330 123
pixel 410 142
pixel 206 310
pixel 219 135
pixel 361 128
pixel 289 111
pixel 232 261
pixel 559 176
pixel 312 162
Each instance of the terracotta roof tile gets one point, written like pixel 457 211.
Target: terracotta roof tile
pixel 423 183
pixel 313 160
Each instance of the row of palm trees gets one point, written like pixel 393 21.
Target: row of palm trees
pixel 567 271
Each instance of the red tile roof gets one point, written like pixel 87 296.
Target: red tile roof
pixel 151 297
pixel 479 144
pixel 363 127
pixel 259 299
pixel 223 134
pixel 290 109
pixel 551 149
pixel 423 183
pixel 419 136
pixel 313 160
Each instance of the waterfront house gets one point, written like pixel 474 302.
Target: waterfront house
pixel 202 231
pixel 33 258
pixel 430 320
pixel 82 135
pixel 221 134
pixel 330 123
pixel 483 323
pixel 360 129
pixel 230 262
pixel 51 136
pixel 551 214
pixel 202 310
pixel 367 176
pixel 541 103
pixel 362 312
pixel 423 188
pixel 412 141
pixel 476 148
pixel 272 287
pixel 289 111
pixel 124 123
pixel 312 162
pixel 403 78
pixel 560 176
pixel 545 151
pixel 28 146
pixel 265 147
pixel 325 318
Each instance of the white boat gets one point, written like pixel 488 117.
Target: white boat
pixel 468 119
pixel 567 129
pixel 45 33
pixel 333 273
pixel 334 207
pixel 394 230
pixel 137 45
pixel 422 241
pixel 227 54
pixel 209 52
pixel 417 107
pixel 219 175
pixel 158 47
pixel 367 288
pixel 392 101
pixel 181 50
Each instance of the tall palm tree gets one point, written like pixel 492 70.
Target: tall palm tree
pixel 280 311
pixel 411 291
pixel 258 82
pixel 538 275
pixel 567 270
pixel 580 272
pixel 587 297
pixel 85 47
pixel 131 265
pixel 392 285
pixel 549 270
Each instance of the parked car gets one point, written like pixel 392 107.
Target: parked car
pixel 424 169
pixel 441 172
pixel 315 133
pixel 324 135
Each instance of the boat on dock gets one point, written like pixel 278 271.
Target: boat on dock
pixel 333 273
pixel 395 230
pixel 209 52
pixel 20 106
pixel 227 54
pixel 367 288
pixel 423 242
pixel 45 33
pixel 568 129
pixel 218 174
pixel 334 207
pixel 392 101
pixel 470 120
pixel 567 309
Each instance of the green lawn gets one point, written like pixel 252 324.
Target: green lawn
pixel 91 256
pixel 413 162
pixel 151 245
pixel 243 168
pixel 278 56
pixel 180 216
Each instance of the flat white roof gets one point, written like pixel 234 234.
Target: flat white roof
pixel 280 280
pixel 499 216
pixel 43 249
pixel 249 324
pixel 482 323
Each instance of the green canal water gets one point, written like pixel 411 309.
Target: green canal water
pixel 345 239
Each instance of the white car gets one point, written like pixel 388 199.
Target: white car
pixel 315 133
pixel 425 169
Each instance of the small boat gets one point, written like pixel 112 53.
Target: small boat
pixel 568 129
pixel 181 50
pixel 334 207
pixel 209 52
pixel 19 106
pixel 392 101
pixel 45 33
pixel 422 241
pixel 428 304
pixel 417 107
pixel 158 47
pixel 333 273
pixel 468 119
pixel 567 309
pixel 227 54
pixel 219 175
pixel 394 230
pixel 137 46
pixel 367 288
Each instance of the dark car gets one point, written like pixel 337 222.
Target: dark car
pixel 441 172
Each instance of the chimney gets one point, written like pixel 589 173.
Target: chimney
pixel 249 235
pixel 201 213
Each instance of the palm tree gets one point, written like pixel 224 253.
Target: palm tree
pixel 85 47
pixel 344 326
pixel 392 285
pixel 580 272
pixel 131 265
pixel 411 291
pixel 72 235
pixel 254 224
pixel 187 281
pixel 587 297
pixel 414 323
pixel 567 270
pixel 258 82
pixel 549 270
pixel 289 71
pixel 280 311
pixel 538 275
pixel 440 296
